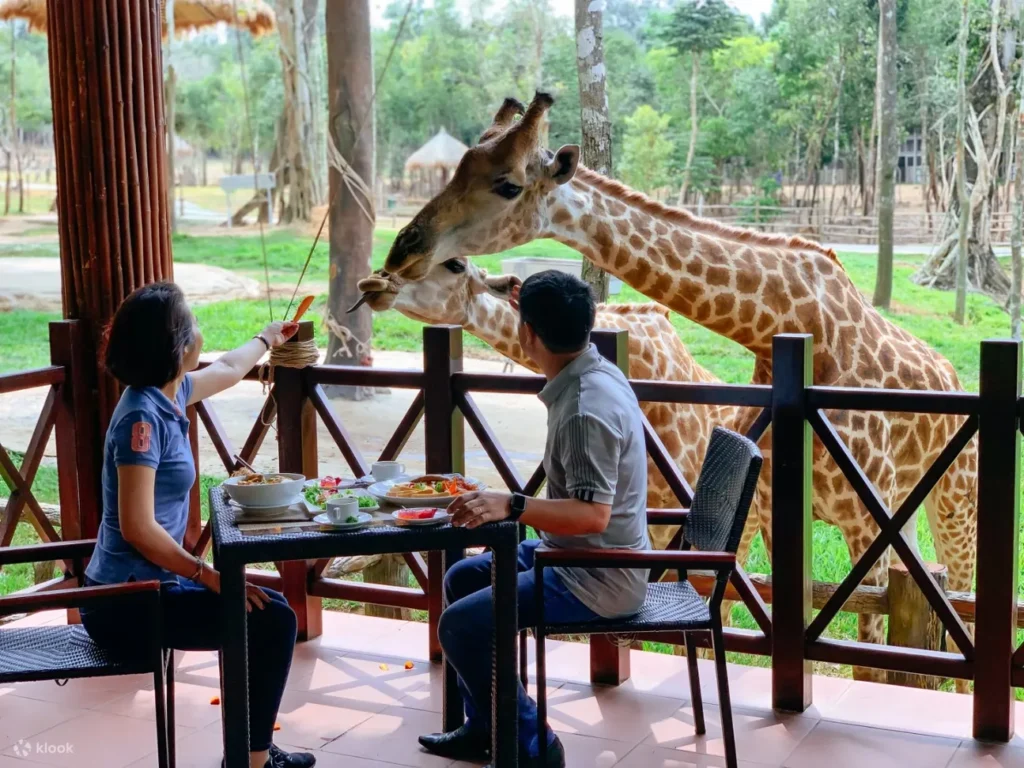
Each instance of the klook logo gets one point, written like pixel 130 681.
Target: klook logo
pixel 25 749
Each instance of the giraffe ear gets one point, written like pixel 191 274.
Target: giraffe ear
pixel 563 165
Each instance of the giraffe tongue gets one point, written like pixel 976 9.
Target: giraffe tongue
pixel 362 300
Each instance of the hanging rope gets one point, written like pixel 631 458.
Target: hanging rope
pixel 352 180
pixel 255 166
pixel 293 354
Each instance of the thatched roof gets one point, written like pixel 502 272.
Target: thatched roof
pixel 189 15
pixel 444 150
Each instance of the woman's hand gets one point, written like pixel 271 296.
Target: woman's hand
pixel 278 333
pixel 255 597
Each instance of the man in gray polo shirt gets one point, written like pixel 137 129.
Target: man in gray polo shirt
pixel 596 465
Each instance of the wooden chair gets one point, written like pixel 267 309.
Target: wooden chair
pixel 713 526
pixel 66 651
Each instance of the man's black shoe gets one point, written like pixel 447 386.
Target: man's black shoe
pixel 460 744
pixel 556 758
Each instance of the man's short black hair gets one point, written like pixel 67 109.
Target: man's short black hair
pixel 148 336
pixel 560 309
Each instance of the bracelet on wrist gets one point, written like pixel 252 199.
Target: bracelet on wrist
pixel 261 337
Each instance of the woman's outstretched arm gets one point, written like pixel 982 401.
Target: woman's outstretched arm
pixel 228 369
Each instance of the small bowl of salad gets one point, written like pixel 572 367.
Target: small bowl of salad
pixel 317 492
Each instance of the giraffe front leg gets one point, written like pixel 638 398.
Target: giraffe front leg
pixel 870 626
pixel 952 518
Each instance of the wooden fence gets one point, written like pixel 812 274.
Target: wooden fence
pixel 792 406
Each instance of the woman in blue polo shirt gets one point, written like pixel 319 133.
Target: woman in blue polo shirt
pixel 148 471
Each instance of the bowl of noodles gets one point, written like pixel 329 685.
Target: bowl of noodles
pixel 426 490
pixel 270 489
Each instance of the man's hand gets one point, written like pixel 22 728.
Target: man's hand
pixel 475 508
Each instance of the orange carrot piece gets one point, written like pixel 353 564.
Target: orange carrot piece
pixel 303 306
pixel 215 700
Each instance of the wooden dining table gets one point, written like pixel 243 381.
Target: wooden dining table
pixel 234 549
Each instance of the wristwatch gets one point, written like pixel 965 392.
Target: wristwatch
pixel 517 506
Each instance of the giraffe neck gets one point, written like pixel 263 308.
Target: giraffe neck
pixel 494 322
pixel 744 285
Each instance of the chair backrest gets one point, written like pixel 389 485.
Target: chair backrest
pixel 725 489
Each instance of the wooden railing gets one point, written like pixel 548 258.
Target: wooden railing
pixel 791 406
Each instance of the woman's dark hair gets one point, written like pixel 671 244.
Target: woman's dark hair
pixel 148 336
pixel 560 308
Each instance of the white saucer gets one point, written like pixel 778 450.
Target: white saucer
pixel 364 520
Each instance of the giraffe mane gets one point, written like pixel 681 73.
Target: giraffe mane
pixel 706 226
pixel 634 309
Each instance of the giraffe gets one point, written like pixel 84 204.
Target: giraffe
pixel 458 292
pixel 745 285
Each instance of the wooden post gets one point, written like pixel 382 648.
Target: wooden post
pixel 297 452
pixel 998 520
pixel 79 447
pixel 609 661
pixel 108 125
pixel 912 622
pixel 791 521
pixel 444 437
pixel 194 526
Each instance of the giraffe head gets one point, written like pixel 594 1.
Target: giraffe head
pixel 492 201
pixel 446 295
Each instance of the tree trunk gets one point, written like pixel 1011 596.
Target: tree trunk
pixel 870 165
pixel 888 149
pixel 1016 234
pixel 295 182
pixel 960 311
pixel 594 121
pixel 171 86
pixel 391 570
pixel 351 125
pixel 13 146
pixel 694 127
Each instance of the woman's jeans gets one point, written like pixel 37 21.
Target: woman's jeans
pixel 467 626
pixel 192 622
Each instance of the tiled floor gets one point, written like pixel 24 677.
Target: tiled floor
pixel 351 700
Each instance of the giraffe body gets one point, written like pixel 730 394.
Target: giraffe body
pixel 745 285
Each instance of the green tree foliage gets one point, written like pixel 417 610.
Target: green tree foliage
pixel 646 149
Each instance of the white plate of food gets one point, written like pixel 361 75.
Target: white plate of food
pixel 271 489
pixel 421 516
pixel 350 523
pixel 316 495
pixel 435 490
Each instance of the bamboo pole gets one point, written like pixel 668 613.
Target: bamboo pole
pixel 106 85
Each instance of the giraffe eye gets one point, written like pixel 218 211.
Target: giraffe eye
pixel 508 190
pixel 455 266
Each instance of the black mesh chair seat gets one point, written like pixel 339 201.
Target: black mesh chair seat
pixel 669 606
pixel 33 653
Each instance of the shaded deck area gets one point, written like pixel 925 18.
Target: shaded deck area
pixel 351 700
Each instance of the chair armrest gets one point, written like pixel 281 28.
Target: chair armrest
pixel 634 558
pixel 40 553
pixel 77 597
pixel 667 516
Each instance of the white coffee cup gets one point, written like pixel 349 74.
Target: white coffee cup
pixel 340 507
pixel 386 470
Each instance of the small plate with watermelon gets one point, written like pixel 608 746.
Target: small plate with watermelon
pixel 421 516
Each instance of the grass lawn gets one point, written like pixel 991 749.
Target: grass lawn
pixel 925 313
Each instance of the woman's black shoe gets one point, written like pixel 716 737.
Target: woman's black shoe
pixel 463 743
pixel 281 759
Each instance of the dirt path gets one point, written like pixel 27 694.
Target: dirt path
pixel 519 421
